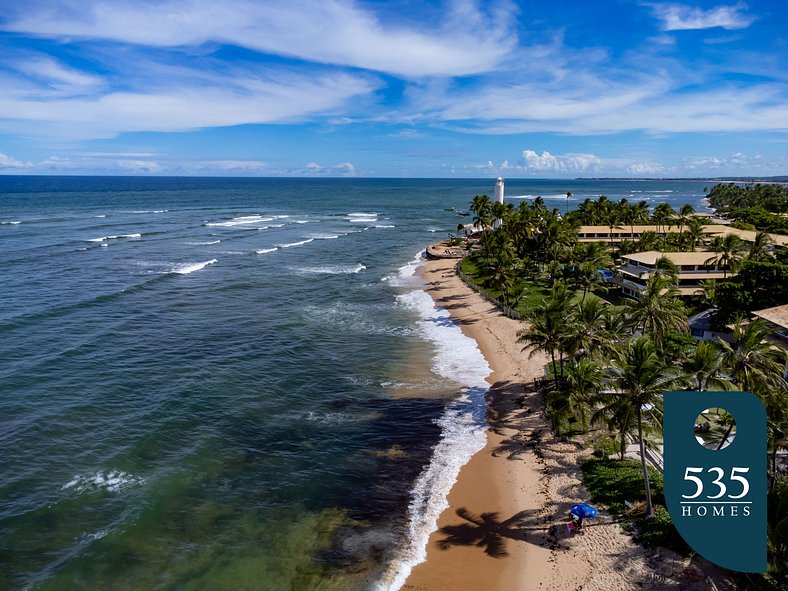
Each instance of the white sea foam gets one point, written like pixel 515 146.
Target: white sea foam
pixel 204 243
pixel 14 223
pixel 192 267
pixel 240 221
pixel 463 426
pixel 331 269
pixel 301 222
pixel 308 240
pixel 404 275
pixel 367 218
pixel 113 481
pixel 384 226
pixel 150 211
pixel 665 191
pixel 266 250
pixel 119 236
pixel 325 236
pixel 100 216
pixel 92 537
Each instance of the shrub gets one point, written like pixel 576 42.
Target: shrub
pixel 660 531
pixel 605 447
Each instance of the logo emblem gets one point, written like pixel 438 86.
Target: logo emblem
pixel 717 497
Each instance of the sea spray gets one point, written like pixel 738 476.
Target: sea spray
pixel 463 425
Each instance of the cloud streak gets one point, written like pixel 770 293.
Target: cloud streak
pixel 681 17
pixel 467 41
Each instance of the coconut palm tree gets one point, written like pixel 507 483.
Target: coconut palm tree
pixel 759 248
pixel 704 365
pixel 639 376
pixel 729 251
pixel 683 217
pixel 756 365
pixel 663 214
pixel 584 379
pixel 694 232
pixel 548 328
pixel 588 320
pixel 658 310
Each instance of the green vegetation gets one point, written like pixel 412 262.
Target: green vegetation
pixel 759 285
pixel 617 483
pixel 608 365
pixel 771 197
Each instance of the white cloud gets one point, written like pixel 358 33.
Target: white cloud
pixel 680 17
pixel 55 74
pixel 184 106
pixel 7 161
pixel 326 31
pixel 547 162
pixel 587 108
pixel 315 169
pixel 644 168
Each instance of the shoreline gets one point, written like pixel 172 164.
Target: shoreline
pixel 504 527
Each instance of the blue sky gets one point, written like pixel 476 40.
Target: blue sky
pixel 387 88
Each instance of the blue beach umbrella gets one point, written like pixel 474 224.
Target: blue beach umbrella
pixel 583 511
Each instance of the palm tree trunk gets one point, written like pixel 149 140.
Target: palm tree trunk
pixel 555 369
pixel 649 507
pixel 728 432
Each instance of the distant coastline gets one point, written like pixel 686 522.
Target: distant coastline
pixel 721 179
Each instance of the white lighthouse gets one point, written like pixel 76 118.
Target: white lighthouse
pixel 498 198
pixel 498 195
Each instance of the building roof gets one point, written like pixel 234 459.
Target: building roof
pixel 777 315
pixel 708 230
pixel 650 257
pixel 639 229
pixel 749 236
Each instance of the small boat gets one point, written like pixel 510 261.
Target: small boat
pixel 448 209
pixel 463 213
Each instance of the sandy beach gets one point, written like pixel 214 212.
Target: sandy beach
pixel 505 526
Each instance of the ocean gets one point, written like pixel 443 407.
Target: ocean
pixel 235 384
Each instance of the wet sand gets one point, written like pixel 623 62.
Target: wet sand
pixel 505 527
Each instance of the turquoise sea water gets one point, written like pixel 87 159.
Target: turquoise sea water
pixel 233 383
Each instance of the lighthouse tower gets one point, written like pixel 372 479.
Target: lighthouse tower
pixel 498 195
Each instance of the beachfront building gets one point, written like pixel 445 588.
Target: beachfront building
pixel 777 317
pixel 616 234
pixel 692 267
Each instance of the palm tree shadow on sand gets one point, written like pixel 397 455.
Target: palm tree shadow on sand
pixel 489 532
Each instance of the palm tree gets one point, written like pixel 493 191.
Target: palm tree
pixel 755 364
pixel 705 364
pixel 728 251
pixel 589 336
pixel 695 232
pixel 639 376
pixel 548 328
pixel 759 249
pixel 658 311
pixel 664 266
pixel 584 380
pixel 683 217
pixel 663 214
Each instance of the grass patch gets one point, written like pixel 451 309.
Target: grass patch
pixel 612 482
